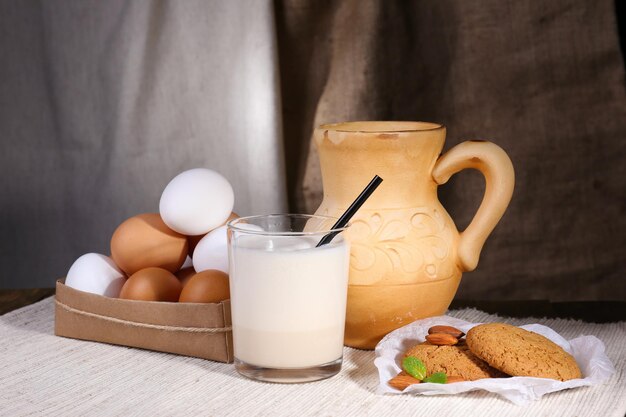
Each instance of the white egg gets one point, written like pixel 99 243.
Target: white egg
pixel 196 201
pixel 188 262
pixel 212 251
pixel 96 274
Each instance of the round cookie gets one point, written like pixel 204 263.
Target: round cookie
pixel 453 360
pixel 519 352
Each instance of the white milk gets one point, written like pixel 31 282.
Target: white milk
pixel 288 300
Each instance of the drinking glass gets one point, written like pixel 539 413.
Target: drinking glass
pixel 288 297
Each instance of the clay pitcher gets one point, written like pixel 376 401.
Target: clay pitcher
pixel 407 256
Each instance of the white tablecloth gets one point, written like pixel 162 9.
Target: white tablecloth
pixel 42 374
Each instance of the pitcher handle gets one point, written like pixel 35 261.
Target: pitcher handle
pixel 496 167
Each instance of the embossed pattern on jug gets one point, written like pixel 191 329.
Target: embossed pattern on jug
pixel 402 246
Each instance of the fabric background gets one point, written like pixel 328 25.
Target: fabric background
pixel 544 80
pixel 101 103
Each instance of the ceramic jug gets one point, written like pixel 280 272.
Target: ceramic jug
pixel 407 256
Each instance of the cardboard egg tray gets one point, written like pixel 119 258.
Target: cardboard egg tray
pixel 190 329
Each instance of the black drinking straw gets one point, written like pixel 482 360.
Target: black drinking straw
pixel 354 207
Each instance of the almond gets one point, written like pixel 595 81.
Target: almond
pixel 454 378
pixel 442 339
pixel 446 329
pixel 402 380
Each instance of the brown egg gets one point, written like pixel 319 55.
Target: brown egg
pixel 152 284
pixel 185 274
pixel 193 240
pixel 145 241
pixel 210 286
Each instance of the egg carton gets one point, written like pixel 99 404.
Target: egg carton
pixel 201 330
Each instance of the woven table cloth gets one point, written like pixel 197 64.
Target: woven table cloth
pixel 42 374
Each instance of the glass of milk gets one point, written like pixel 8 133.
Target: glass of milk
pixel 288 297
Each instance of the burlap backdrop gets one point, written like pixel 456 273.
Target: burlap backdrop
pixel 101 103
pixel 544 80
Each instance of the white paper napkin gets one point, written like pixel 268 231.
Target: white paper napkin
pixel 587 350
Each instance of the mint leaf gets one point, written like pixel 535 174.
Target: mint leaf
pixel 437 378
pixel 414 367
